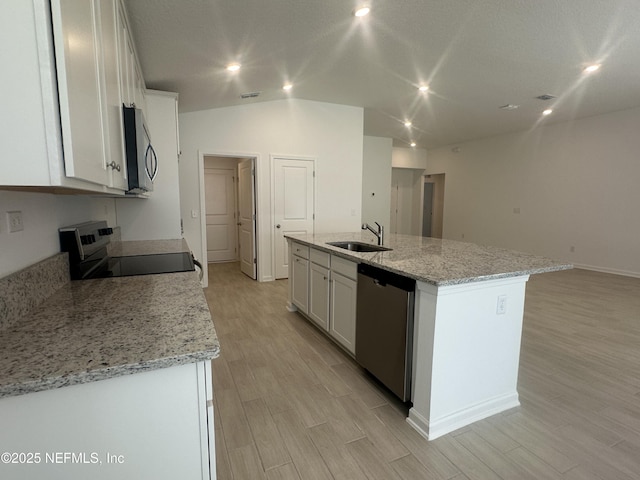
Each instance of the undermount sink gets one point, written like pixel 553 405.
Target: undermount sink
pixel 359 246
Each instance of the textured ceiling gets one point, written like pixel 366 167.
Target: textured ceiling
pixel 476 55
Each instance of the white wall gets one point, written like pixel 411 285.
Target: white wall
pixel 332 134
pixel 575 185
pixel 409 158
pixel 42 215
pixel 157 217
pixel 376 181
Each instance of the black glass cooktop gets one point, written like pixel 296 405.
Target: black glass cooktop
pixel 146 265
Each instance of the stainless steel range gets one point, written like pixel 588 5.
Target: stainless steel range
pixel 88 256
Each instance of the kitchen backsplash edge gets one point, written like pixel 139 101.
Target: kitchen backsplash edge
pixel 24 290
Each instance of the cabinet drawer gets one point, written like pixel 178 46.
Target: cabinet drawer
pixel 344 267
pixel 320 258
pixel 300 250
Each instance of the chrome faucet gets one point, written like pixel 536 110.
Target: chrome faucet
pixel 379 234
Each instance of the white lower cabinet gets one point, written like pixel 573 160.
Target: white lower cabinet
pixel 152 425
pixel 300 280
pixel 319 295
pixel 324 288
pixel 343 311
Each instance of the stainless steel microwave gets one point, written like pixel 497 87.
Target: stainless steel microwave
pixel 142 161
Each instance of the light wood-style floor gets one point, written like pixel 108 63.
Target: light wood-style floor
pixel 291 405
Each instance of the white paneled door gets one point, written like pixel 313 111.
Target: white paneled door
pixel 247 220
pixel 220 207
pixel 293 205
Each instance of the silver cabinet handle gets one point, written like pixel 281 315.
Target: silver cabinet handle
pixel 113 165
pixel 278 226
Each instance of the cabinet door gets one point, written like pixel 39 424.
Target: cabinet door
pixel 114 147
pixel 343 311
pixel 319 295
pixel 300 270
pixel 76 42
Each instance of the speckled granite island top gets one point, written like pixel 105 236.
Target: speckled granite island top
pixel 435 261
pixel 91 330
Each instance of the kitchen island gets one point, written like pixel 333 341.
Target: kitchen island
pixel 468 314
pixel 107 378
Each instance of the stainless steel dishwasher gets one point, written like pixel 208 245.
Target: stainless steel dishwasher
pixel 384 327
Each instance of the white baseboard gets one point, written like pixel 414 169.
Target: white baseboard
pixel 614 271
pixel 447 424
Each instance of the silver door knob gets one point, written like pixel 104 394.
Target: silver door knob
pixel 278 226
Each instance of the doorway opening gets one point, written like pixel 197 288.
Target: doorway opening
pixel 432 205
pixel 229 213
pixel 417 202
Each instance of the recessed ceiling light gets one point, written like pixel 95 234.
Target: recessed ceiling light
pixel 423 88
pixel 592 68
pixel 233 67
pixel 362 11
pixel 509 106
pixel 287 86
pixel 413 144
pixel 407 123
pixel 548 111
pixel 546 97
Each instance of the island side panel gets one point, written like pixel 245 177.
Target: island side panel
pixel 467 352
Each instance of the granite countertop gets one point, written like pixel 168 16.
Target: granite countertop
pixel 435 261
pixel 90 330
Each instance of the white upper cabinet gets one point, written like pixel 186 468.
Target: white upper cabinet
pixel 76 32
pixel 61 121
pixel 112 91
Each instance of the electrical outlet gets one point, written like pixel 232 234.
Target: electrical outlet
pixel 501 307
pixel 14 221
pixel 194 214
pixel 572 249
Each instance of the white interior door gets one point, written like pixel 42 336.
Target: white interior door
pixel 247 220
pixel 293 206
pixel 220 207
